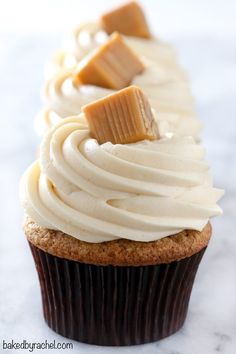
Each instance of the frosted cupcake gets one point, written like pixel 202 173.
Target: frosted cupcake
pixel 167 89
pixel 88 36
pixel 117 225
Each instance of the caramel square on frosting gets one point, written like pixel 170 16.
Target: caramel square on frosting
pixel 113 65
pixel 127 19
pixel 121 118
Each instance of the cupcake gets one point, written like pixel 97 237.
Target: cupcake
pixel 90 35
pixel 166 87
pixel 163 80
pixel 117 219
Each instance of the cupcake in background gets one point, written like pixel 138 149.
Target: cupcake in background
pixel 129 20
pixel 117 218
pixel 167 89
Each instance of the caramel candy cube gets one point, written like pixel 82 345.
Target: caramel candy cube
pixel 121 118
pixel 113 65
pixel 128 19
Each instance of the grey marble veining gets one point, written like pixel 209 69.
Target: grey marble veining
pixel 211 323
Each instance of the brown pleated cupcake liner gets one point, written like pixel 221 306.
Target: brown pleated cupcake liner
pixel 114 306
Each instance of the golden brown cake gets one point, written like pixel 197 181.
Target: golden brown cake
pixel 120 252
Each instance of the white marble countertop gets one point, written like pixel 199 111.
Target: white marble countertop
pixel 211 323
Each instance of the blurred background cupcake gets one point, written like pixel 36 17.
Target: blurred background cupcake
pixel 163 80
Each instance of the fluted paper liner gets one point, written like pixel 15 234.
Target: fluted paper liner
pixel 110 305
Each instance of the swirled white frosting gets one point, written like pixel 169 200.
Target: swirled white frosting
pixel 143 191
pixel 163 81
pixel 168 92
pixel 89 36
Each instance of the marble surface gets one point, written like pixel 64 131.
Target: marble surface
pixel 211 323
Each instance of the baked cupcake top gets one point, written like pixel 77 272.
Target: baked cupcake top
pixel 142 191
pixel 119 252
